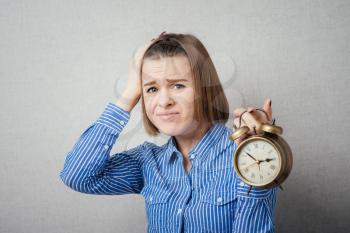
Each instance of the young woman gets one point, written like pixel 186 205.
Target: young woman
pixel 189 183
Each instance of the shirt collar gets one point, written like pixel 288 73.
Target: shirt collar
pixel 199 151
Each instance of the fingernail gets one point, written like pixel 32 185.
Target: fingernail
pixel 270 102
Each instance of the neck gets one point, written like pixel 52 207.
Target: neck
pixel 187 141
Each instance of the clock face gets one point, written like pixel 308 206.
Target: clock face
pixel 258 161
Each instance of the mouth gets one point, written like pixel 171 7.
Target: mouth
pixel 168 116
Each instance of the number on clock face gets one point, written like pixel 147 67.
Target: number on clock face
pixel 258 162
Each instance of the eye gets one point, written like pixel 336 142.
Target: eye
pixel 151 88
pixel 179 85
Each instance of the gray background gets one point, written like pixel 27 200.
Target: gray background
pixel 62 62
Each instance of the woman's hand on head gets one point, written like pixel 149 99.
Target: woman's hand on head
pixel 132 93
pixel 252 118
pixel 134 77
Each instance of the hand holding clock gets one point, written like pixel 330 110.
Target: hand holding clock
pixel 252 118
pixel 259 139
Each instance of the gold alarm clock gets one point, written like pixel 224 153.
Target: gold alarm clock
pixel 264 159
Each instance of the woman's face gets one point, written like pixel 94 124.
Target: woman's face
pixel 169 93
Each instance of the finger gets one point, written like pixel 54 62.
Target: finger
pixel 268 108
pixel 238 111
pixel 141 50
pixel 259 116
pixel 250 109
pixel 250 120
pixel 247 117
pixel 243 137
pixel 236 122
pixel 251 124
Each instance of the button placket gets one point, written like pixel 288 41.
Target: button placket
pixel 179 211
pixel 219 199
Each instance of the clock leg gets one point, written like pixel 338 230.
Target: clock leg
pixel 250 188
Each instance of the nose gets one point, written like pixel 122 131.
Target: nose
pixel 164 99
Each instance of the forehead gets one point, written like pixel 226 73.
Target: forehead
pixel 166 67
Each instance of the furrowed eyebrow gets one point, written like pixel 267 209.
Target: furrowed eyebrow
pixel 169 81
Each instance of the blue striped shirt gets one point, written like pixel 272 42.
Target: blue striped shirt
pixel 209 198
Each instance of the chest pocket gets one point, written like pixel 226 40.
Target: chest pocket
pixel 221 203
pixel 158 209
pixel 155 195
pixel 218 197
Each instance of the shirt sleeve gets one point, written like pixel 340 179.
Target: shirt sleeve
pixel 89 168
pixel 255 212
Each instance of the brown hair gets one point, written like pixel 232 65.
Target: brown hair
pixel 210 101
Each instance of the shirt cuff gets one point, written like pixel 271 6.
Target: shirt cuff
pixel 114 117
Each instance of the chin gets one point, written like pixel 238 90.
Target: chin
pixel 175 128
pixel 170 130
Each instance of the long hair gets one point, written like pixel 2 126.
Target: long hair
pixel 210 100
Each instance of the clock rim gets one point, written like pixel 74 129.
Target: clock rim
pixel 276 147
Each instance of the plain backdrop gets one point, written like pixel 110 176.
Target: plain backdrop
pixel 61 62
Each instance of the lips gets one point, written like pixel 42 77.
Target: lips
pixel 168 115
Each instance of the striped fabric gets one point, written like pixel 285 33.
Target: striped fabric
pixel 210 198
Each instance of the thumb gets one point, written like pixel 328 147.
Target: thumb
pixel 268 108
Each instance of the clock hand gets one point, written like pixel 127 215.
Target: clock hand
pixel 252 157
pixel 267 160
pixel 249 166
pixel 257 161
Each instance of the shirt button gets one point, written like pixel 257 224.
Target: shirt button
pixel 106 147
pixel 219 199
pixel 191 156
pixel 122 122
pixel 241 183
pixel 179 211
pixel 150 198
